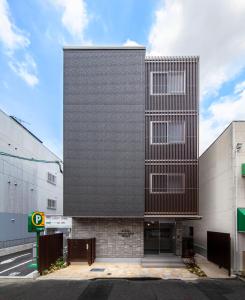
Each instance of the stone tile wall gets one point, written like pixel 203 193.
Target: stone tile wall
pixel 115 238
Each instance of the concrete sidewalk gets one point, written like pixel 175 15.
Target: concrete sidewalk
pixel 118 270
pixel 211 270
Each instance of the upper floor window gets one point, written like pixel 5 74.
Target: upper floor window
pixel 51 204
pixel 171 82
pixel 168 183
pixel 51 178
pixel 162 132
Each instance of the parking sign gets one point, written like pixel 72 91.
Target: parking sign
pixel 36 221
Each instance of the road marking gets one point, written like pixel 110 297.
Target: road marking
pixel 7 261
pixel 30 275
pixel 25 262
pixel 14 274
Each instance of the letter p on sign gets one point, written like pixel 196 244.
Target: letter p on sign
pixel 38 219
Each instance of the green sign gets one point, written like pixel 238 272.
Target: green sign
pixel 36 221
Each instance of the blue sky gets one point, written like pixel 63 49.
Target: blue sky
pixel 33 32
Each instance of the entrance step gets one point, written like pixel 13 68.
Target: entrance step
pixel 162 261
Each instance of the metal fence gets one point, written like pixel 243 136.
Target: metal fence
pixel 16 242
pixel 219 249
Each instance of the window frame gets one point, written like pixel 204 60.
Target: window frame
pixel 168 174
pixel 50 181
pixel 52 207
pixel 167 143
pixel 168 93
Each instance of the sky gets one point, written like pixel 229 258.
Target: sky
pixel 33 32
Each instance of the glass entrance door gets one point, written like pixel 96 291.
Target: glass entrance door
pixel 151 238
pixel 166 238
pixel 158 237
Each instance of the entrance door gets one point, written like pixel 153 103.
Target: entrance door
pixel 166 238
pixel 158 237
pixel 151 238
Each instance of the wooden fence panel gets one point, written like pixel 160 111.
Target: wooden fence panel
pixel 219 249
pixel 81 250
pixel 50 249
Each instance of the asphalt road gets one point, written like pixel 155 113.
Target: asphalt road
pixel 205 289
pixel 16 264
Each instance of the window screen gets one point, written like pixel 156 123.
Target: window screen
pixel 176 132
pixel 159 183
pixel 159 132
pixel 175 183
pixel 172 82
pixel 167 183
pixel 167 132
pixel 159 83
pixel 176 82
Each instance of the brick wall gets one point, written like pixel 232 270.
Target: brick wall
pixel 115 238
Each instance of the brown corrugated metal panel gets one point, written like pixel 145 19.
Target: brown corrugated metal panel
pixel 166 157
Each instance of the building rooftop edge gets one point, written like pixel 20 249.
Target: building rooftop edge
pixel 29 132
pixel 162 57
pixel 219 136
pixel 103 47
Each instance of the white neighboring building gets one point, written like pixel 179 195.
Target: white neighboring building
pixel 25 186
pixel 222 192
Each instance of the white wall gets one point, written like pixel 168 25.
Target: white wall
pixel 217 189
pixel 23 184
pixel 239 137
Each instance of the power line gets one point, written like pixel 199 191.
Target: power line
pixel 59 163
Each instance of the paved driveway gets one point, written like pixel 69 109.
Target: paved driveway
pixel 119 289
pixel 118 270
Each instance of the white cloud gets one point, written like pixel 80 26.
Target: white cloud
pixel 10 36
pixel 25 69
pixel 220 114
pixel 15 40
pixel 131 43
pixel 213 29
pixel 74 16
pixel 240 87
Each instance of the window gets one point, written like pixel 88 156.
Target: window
pixel 159 83
pixel 172 82
pixel 167 183
pixel 159 132
pixel 167 132
pixel 51 204
pixel 51 178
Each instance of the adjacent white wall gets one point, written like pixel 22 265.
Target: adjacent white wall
pixel 239 137
pixel 23 185
pixel 219 170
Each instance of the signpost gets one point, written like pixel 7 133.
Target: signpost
pixel 36 223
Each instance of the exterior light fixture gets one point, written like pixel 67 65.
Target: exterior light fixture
pixel 238 146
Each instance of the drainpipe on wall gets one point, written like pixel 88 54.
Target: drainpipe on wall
pixel 234 155
pixel 236 241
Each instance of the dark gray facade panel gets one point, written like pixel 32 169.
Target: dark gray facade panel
pixel 104 150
